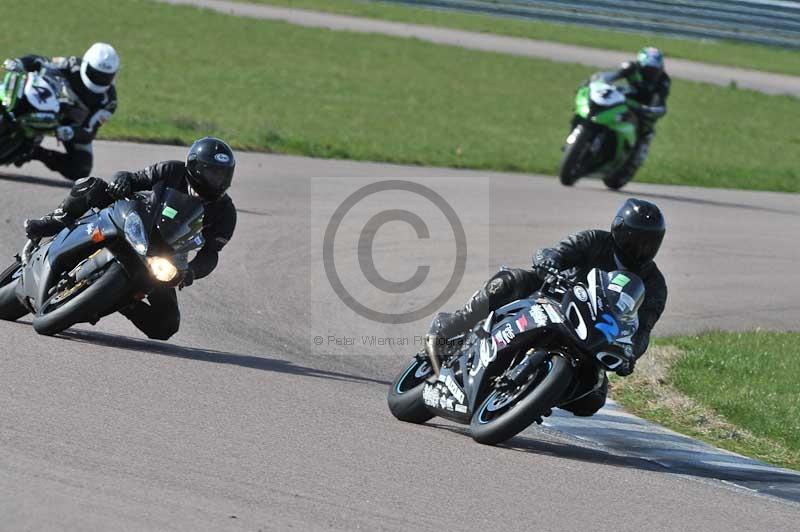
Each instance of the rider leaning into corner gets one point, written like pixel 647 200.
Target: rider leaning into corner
pixel 91 79
pixel 635 237
pixel 650 84
pixel 207 174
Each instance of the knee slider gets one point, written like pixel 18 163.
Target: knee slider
pixel 166 330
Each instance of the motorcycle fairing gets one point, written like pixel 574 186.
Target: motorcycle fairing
pixel 40 94
pixel 180 231
pixel 50 260
pixel 603 104
pixel 503 334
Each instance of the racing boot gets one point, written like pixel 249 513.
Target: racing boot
pixel 30 153
pixel 642 150
pixel 48 225
pixel 86 193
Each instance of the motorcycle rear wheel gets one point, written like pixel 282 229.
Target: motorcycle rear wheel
pixel 405 394
pixel 63 310
pixel 618 178
pixel 537 399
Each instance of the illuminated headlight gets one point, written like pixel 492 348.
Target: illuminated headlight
pixel 134 233
pixel 162 269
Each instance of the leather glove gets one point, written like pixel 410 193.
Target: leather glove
pixel 13 65
pixel 122 185
pixel 545 261
pixel 188 279
pixel 65 133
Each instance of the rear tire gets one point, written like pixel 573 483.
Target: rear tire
pixel 544 395
pixel 572 162
pixel 405 394
pixel 93 301
pixel 11 308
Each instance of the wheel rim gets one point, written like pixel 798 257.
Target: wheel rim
pixel 60 298
pixel 63 297
pixel 500 401
pixel 413 376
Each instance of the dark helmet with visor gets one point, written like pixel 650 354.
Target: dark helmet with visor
pixel 210 166
pixel 637 230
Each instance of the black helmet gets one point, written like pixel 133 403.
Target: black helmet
pixel 210 165
pixel 638 230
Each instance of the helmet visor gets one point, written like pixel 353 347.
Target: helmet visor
pixel 651 73
pixel 98 77
pixel 210 180
pixel 638 246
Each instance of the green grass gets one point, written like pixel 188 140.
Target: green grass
pixel 742 390
pixel 735 54
pixel 271 86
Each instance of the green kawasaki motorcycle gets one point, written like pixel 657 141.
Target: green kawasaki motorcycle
pixel 30 105
pixel 603 136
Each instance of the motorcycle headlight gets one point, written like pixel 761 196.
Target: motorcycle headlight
pixel 134 233
pixel 162 269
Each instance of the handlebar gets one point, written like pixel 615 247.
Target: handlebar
pixel 554 278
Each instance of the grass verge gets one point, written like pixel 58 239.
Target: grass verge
pixel 769 59
pixel 276 87
pixel 735 391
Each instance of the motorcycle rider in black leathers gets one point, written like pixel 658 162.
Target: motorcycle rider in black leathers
pixel 635 237
pixel 650 84
pixel 93 101
pixel 207 173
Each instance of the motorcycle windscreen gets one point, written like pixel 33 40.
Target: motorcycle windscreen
pixel 180 222
pixel 624 293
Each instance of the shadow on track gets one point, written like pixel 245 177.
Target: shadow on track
pixel 567 451
pixel 662 454
pixel 711 203
pixel 32 180
pixel 209 355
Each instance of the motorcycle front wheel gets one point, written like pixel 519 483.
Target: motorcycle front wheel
pixel 405 394
pixel 507 410
pixel 83 301
pixel 573 162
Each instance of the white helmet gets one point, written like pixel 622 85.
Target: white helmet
pixel 99 67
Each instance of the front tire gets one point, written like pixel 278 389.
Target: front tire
pixel 90 301
pixel 619 178
pixel 573 161
pixel 405 394
pixel 491 428
pixel 11 309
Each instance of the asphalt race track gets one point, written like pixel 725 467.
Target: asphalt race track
pixel 241 423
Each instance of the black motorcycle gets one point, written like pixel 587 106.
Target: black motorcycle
pixel 527 357
pixel 106 261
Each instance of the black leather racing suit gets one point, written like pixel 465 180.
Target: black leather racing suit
pixel 159 319
pixel 85 117
pixel 649 101
pixel 580 252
